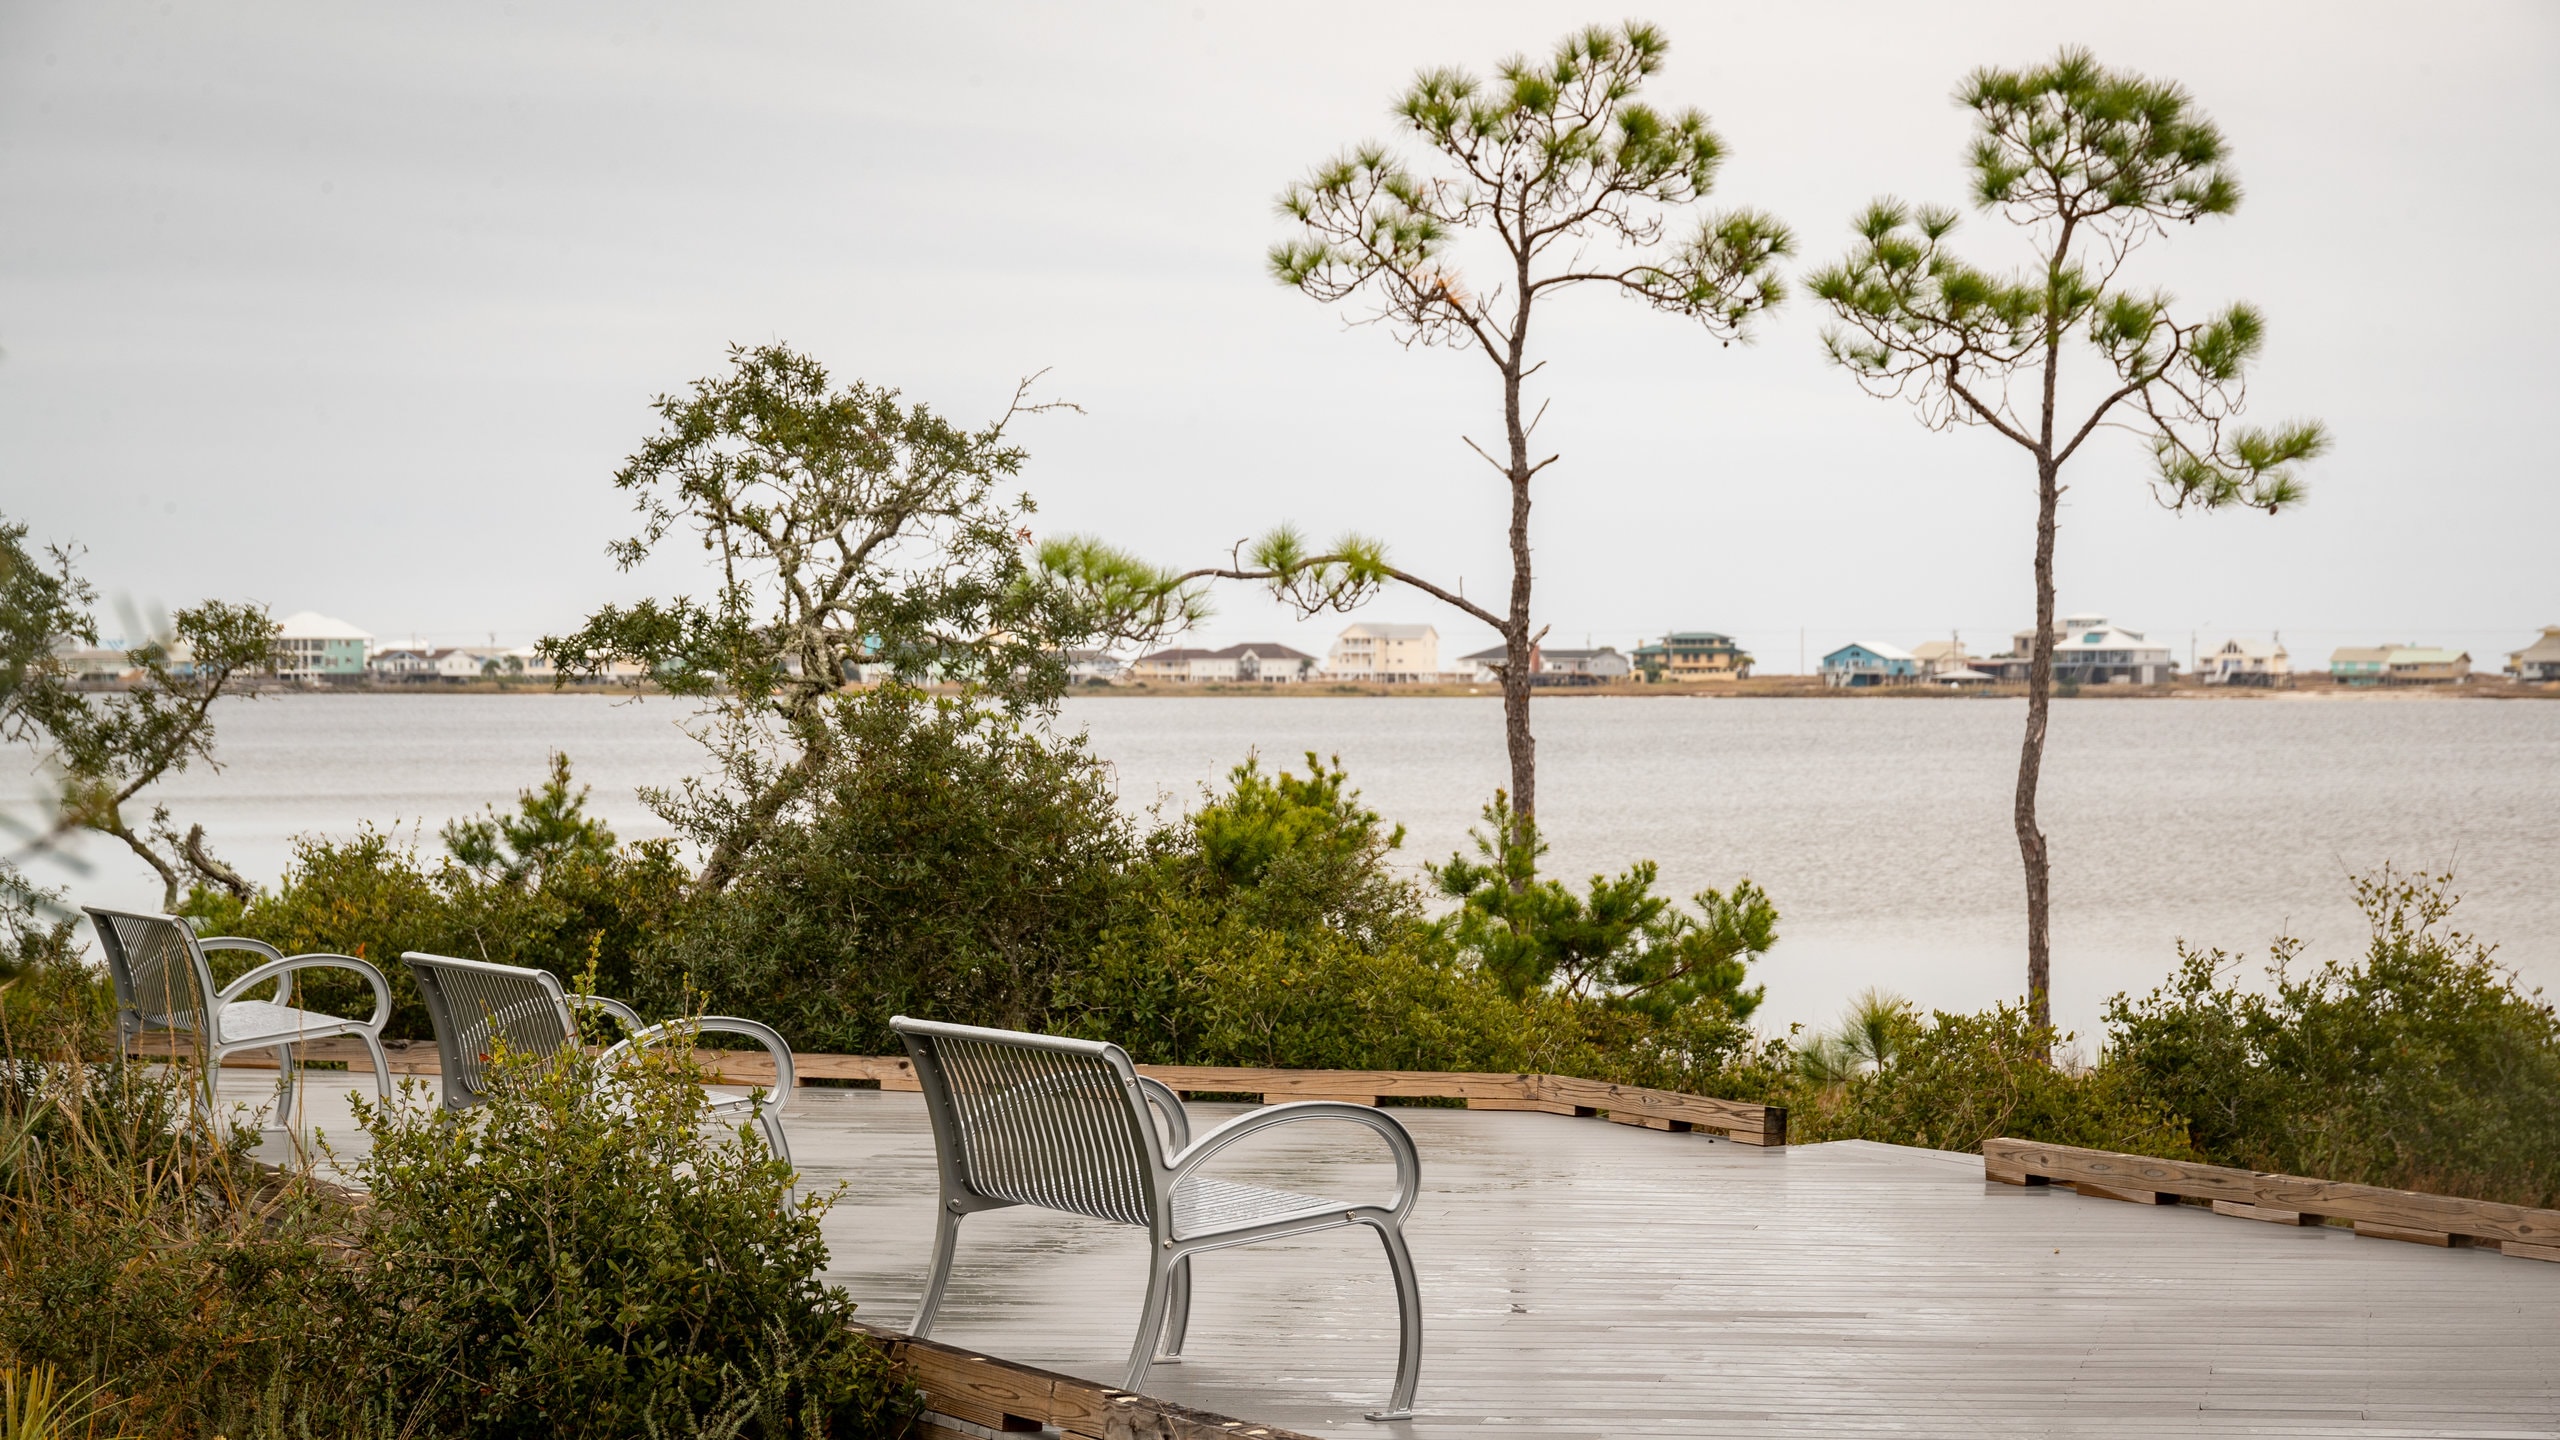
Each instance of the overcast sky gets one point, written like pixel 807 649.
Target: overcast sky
pixel 355 308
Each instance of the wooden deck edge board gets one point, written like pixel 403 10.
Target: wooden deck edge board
pixel 2340 1200
pixel 989 1392
pixel 1744 1122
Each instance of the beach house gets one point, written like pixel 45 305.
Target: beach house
pixel 1868 663
pixel 1381 653
pixel 313 647
pixel 1255 662
pixel 2538 661
pixel 1685 655
pixel 2246 662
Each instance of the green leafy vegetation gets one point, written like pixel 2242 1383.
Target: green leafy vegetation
pixel 1959 1079
pixel 2421 1064
pixel 102 753
pixel 948 862
pixel 1619 943
pixel 577 1257
pixel 580 1257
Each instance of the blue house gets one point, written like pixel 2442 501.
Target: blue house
pixel 1866 663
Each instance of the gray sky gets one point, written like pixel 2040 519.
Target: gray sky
pixel 355 308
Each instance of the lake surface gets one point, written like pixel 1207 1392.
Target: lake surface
pixel 1880 827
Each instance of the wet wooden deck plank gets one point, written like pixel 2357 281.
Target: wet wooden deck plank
pixel 1588 1280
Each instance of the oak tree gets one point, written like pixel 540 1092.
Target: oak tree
pixel 102 752
pixel 849 533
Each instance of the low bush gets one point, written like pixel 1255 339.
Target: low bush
pixel 1188 985
pixel 577 1257
pixel 1958 1080
pixel 947 863
pixel 1269 927
pixel 52 1001
pixel 2421 1064
pixel 1619 944
pixel 545 886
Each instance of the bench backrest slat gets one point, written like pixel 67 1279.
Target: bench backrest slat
pixel 1039 1121
pixel 477 1006
pixel 160 974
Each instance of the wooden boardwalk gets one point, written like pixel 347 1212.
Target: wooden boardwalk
pixel 1599 1280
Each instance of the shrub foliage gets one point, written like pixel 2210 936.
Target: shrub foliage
pixel 2421 1064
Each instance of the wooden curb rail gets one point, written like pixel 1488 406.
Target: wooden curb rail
pixel 1742 1122
pixel 968 1395
pixel 2441 1220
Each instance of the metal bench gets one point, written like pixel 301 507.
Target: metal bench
pixel 1065 1125
pixel 476 1005
pixel 164 985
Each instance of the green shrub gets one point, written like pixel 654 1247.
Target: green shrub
pixel 949 863
pixel 1285 852
pixel 2422 1064
pixel 367 897
pixel 1961 1079
pixel 1269 928
pixel 544 887
pixel 1187 985
pixel 52 1002
pixel 1695 1049
pixel 577 1258
pixel 1620 944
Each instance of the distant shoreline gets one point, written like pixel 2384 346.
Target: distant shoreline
pixel 1774 687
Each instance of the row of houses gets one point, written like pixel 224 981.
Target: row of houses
pixel 2087 650
pixel 1381 653
pixel 312 648
pixel 2091 650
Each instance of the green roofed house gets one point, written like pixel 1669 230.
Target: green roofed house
pixel 2359 664
pixel 1685 655
pixel 311 646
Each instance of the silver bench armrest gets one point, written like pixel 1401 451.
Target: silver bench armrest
pixel 1252 1123
pixel 784 1076
pixel 282 968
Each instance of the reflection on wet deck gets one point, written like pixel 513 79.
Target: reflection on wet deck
pixel 1587 1279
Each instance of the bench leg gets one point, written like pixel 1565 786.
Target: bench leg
pixel 774 1139
pixel 285 1076
pixel 381 1064
pixel 1160 1274
pixel 1409 1326
pixel 1177 1320
pixel 946 1243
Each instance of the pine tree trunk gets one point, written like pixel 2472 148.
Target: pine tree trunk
pixel 1518 641
pixel 2031 842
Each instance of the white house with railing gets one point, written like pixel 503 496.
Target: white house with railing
pixel 1384 653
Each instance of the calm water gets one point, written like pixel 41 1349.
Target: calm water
pixel 1881 828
